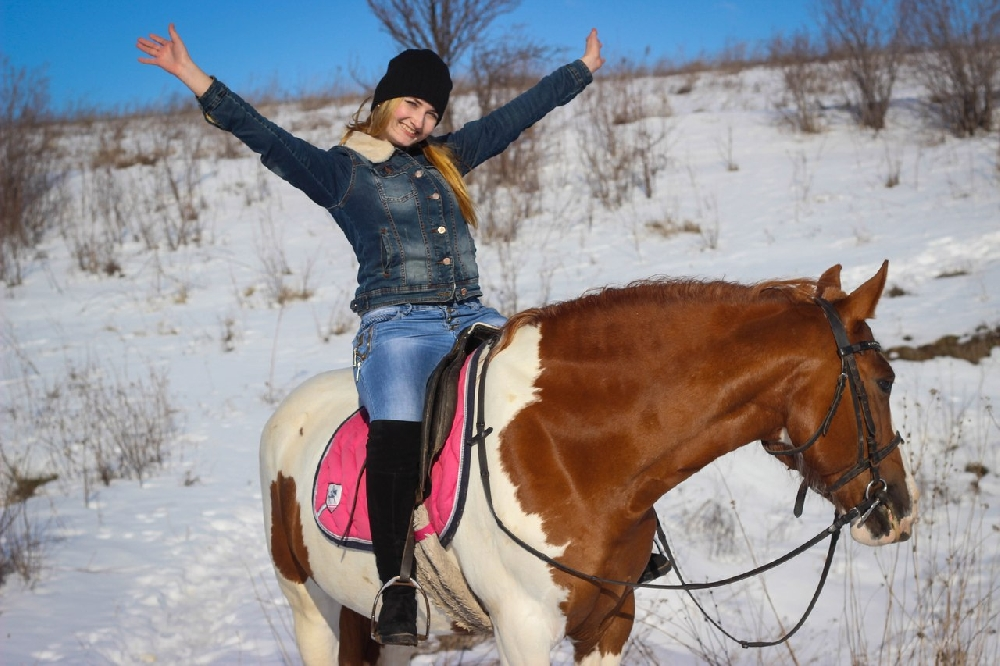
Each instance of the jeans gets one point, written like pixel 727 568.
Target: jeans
pixel 397 348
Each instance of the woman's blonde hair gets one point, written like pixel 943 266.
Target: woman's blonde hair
pixel 438 154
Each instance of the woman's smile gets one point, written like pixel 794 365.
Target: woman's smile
pixel 413 121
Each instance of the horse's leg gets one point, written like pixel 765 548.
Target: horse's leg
pixel 522 637
pixel 315 615
pixel 607 650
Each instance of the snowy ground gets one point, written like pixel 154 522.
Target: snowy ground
pixel 174 570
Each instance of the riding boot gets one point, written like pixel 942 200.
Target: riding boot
pixel 393 470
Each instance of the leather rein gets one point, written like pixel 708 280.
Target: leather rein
pixel 869 456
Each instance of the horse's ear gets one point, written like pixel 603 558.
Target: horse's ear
pixel 862 301
pixel 828 286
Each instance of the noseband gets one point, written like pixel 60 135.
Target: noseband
pixel 869 453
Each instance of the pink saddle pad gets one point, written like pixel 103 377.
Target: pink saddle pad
pixel 340 491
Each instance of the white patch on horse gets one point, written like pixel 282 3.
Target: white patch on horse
pixel 516 587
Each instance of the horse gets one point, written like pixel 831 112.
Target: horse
pixel 596 407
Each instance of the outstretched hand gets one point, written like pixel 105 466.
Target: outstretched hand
pixel 592 54
pixel 172 56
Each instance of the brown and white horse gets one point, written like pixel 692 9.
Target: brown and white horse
pixel 598 406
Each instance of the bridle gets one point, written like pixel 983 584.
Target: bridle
pixel 869 457
pixel 869 453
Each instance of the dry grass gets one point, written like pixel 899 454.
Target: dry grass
pixel 972 347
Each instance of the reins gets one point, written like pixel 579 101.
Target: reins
pixel 869 455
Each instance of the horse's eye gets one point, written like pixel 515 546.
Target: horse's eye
pixel 885 385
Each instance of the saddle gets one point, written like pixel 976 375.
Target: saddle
pixel 442 398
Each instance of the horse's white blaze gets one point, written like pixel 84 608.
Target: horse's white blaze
pixel 504 575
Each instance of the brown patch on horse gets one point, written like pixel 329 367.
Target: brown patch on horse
pixel 288 548
pixel 612 633
pixel 356 644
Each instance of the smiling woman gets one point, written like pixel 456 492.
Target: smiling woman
pixel 398 195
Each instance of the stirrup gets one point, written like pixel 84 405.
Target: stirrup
pixel 658 565
pixel 399 581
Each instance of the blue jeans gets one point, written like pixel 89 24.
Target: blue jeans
pixel 397 348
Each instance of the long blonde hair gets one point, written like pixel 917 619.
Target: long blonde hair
pixel 438 154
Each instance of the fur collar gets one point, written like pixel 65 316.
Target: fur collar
pixel 375 150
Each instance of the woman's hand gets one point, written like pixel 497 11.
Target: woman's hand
pixel 592 54
pixel 172 56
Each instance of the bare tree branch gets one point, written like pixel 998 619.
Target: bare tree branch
pixel 866 35
pixel 448 27
pixel 959 44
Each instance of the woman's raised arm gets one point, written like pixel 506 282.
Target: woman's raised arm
pixel 592 53
pixel 172 56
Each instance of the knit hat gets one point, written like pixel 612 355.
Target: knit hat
pixel 416 73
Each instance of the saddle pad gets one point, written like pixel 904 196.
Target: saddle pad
pixel 340 497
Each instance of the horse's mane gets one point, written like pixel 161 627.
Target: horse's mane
pixel 665 291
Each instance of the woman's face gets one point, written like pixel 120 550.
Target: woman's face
pixel 412 121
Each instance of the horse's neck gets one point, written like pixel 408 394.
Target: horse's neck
pixel 732 389
pixel 681 394
pixel 685 394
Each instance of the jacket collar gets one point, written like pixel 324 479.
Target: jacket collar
pixel 372 149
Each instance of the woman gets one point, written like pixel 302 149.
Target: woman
pixel 398 195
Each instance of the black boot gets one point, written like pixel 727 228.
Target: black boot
pixel 393 470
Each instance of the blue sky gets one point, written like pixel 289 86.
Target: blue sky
pixel 87 48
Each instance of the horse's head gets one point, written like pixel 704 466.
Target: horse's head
pixel 839 432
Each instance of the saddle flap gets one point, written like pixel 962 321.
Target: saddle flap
pixel 442 395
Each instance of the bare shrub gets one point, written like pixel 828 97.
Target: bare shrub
pixel 865 39
pixel 180 172
pixel 100 220
pixel 339 321
pixel 624 139
pixel 29 192
pixel 668 227
pixel 507 186
pixel 804 77
pixel 275 269
pixel 959 46
pixel 22 541
pixel 108 426
pixel 93 424
pixel 23 536
pixel 946 586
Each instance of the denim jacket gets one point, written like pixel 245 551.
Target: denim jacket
pixel 402 219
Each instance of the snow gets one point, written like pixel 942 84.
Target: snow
pixel 174 569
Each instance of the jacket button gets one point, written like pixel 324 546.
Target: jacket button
pixel 446 261
pixel 435 196
pixel 442 229
pixel 464 291
pixel 419 173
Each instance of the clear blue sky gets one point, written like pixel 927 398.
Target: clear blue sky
pixel 87 47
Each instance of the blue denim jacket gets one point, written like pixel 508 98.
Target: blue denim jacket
pixel 403 221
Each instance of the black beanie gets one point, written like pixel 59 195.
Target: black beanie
pixel 416 73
